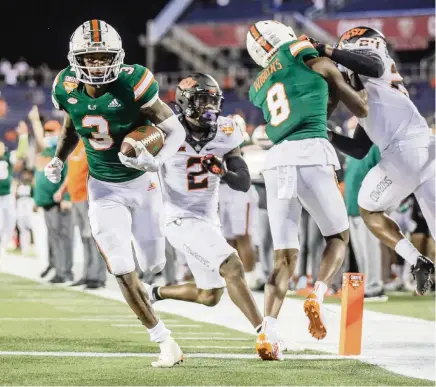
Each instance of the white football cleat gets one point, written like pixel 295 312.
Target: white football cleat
pixel 170 354
pixel 269 346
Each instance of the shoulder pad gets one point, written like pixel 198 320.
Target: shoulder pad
pixel 141 81
pixel 230 131
pixel 64 83
pixel 300 49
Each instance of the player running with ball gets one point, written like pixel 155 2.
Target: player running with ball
pixel 104 100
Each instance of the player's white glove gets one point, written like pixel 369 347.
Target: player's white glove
pixel 53 170
pixel 144 162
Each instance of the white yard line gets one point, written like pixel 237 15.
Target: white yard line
pixel 79 319
pixel 399 344
pixel 190 355
pixel 167 325
pixel 216 347
pixel 185 337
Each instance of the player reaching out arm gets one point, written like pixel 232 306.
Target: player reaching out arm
pixel 395 125
pixel 360 61
pixel 356 102
pixel 104 100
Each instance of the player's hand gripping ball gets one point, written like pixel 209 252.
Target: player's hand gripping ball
pixel 139 148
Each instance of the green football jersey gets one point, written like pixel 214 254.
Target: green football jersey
pixel 293 98
pixel 5 174
pixel 44 189
pixel 103 122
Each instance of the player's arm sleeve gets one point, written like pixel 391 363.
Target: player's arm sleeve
pixel 161 115
pixel 357 147
pixel 363 62
pixel 23 146
pixel 238 175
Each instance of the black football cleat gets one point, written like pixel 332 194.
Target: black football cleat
pixel 422 271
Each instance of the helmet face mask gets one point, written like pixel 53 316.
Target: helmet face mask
pixel 96 53
pixel 199 99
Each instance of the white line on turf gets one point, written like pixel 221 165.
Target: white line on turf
pixel 191 355
pixel 90 319
pixel 214 347
pixel 380 331
pixel 183 338
pixel 168 325
pixel 104 308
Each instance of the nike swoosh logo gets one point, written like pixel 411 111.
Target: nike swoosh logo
pixel 209 148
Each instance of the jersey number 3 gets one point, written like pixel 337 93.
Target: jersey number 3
pixel 195 180
pixel 278 104
pixel 102 139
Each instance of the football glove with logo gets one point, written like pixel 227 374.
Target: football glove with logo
pixel 214 165
pixel 144 162
pixel 53 170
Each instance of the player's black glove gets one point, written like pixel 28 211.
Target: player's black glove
pixel 214 165
pixel 320 47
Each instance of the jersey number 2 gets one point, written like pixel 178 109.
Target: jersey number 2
pixel 278 104
pixel 102 139
pixel 194 179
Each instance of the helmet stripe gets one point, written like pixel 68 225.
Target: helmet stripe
pixel 95 30
pixel 257 36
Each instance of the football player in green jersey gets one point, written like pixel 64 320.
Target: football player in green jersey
pixel 293 92
pixel 104 100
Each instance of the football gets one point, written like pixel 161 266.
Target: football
pixel 152 137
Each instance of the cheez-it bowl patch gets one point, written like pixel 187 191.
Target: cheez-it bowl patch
pixel 228 130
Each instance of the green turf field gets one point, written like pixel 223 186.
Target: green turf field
pixel 37 318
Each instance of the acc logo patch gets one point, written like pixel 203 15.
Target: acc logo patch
pixel 70 86
pixel 228 130
pixel 72 101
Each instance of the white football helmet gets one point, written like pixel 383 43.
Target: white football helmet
pixel 96 36
pixel 264 39
pixel 260 138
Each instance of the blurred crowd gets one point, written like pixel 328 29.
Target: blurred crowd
pixel 26 194
pixel 20 72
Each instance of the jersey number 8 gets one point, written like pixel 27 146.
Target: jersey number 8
pixel 278 104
